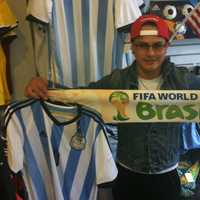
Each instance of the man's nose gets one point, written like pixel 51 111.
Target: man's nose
pixel 150 50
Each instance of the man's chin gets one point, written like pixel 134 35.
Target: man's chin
pixel 150 63
pixel 151 68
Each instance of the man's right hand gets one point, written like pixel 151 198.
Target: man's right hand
pixel 37 88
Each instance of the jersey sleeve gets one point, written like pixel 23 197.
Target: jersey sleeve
pixel 106 170
pixel 40 10
pixel 126 12
pixel 15 144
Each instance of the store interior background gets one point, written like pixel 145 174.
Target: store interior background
pixel 185 52
pixel 22 69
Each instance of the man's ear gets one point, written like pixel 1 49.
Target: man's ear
pixel 166 46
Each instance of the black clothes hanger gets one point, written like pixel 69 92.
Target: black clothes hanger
pixel 74 106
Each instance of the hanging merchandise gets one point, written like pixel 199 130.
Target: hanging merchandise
pixel 174 12
pixel 7 20
pixel 4 92
pixel 190 137
pixel 188 173
pixel 7 23
pixel 38 15
pixel 193 19
pixel 61 150
pixel 85 39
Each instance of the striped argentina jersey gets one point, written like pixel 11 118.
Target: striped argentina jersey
pixel 87 43
pixel 60 158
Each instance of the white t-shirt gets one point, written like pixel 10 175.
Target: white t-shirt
pixel 152 84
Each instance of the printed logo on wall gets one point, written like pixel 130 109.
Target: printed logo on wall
pixel 174 13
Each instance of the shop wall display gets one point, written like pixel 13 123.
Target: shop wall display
pixel 174 13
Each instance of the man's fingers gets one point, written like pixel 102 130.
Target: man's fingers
pixel 37 88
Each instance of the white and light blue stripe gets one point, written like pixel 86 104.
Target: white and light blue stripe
pixel 75 177
pixel 87 43
pixel 84 37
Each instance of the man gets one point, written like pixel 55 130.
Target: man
pixel 147 153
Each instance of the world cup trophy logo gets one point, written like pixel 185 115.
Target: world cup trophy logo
pixel 119 100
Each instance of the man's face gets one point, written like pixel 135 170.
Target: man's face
pixel 150 52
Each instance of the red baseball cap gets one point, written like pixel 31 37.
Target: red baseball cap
pixel 162 27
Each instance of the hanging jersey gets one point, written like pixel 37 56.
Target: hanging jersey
pixel 190 137
pixel 40 43
pixel 39 17
pixel 7 23
pixel 4 92
pixel 86 44
pixel 59 158
pixel 127 11
pixel 7 19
